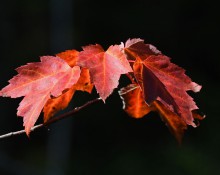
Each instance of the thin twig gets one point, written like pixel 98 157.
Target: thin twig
pixel 20 132
pixel 52 120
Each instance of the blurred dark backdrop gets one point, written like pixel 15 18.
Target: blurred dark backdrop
pixel 102 139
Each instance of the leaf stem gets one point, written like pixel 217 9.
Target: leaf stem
pixel 131 61
pixel 131 78
pixel 52 120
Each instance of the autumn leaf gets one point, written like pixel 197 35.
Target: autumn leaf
pixel 138 49
pixel 84 82
pixel 54 105
pixel 176 124
pixel 162 80
pixel 135 105
pixel 57 104
pixel 70 56
pixel 133 101
pixel 198 117
pixel 105 67
pixel 37 82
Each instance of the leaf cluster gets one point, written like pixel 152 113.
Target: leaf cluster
pixel 156 83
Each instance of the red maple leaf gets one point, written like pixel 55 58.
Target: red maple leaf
pixel 105 67
pixel 162 80
pixel 37 82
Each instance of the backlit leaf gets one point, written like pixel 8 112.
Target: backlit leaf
pixel 133 101
pixel 135 105
pixel 176 125
pixel 70 56
pixel 162 80
pixel 54 105
pixel 105 67
pixel 37 82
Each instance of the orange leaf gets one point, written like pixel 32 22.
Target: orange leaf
pixel 176 125
pixel 70 56
pixel 134 104
pixel 54 105
pixel 37 82
pixel 133 101
pixel 84 82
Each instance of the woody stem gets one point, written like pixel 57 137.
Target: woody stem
pixel 52 120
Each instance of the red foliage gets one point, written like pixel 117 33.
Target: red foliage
pixel 54 105
pixel 37 82
pixel 162 80
pixel 133 101
pixel 105 67
pixel 157 84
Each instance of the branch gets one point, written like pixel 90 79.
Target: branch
pixel 52 120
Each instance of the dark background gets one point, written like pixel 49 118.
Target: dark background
pixel 102 139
